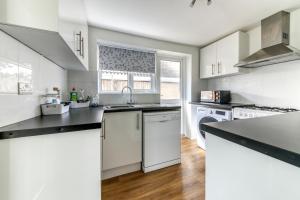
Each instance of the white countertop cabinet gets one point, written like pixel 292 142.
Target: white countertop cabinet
pixel 218 59
pixel 122 139
pixel 61 166
pixel 235 172
pixel 57 29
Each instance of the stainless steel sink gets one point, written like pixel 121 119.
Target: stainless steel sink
pixel 128 106
pixel 118 106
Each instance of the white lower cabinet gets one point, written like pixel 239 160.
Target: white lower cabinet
pixel 60 166
pixel 121 142
pixel 234 172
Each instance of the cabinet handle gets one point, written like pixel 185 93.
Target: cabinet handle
pixel 79 39
pixel 219 67
pixel 82 48
pixel 212 69
pixel 138 121
pixel 103 129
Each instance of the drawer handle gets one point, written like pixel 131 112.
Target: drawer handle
pixel 103 130
pixel 162 121
pixel 138 121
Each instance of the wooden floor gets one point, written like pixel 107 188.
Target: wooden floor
pixel 180 182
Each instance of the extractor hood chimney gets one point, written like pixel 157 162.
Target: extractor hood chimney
pixel 275 42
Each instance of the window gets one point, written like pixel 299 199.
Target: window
pixel 115 81
pixel 143 82
pixel 170 80
pixel 120 67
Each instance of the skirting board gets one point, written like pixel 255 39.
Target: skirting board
pixel 162 165
pixel 107 174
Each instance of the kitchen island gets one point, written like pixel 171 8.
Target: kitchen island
pixel 253 158
pixel 52 157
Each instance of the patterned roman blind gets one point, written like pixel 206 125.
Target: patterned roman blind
pixel 118 59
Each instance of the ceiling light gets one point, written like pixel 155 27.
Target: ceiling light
pixel 209 2
pixel 192 3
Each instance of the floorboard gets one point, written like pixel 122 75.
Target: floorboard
pixel 180 182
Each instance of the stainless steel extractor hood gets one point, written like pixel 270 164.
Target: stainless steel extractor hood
pixel 275 41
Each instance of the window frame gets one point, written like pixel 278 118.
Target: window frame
pixel 153 90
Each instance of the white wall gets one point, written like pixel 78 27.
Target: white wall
pixel 45 74
pixel 98 34
pixel 275 85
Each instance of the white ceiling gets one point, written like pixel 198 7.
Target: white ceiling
pixel 174 20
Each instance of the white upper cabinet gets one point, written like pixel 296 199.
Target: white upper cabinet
pixel 208 61
pixel 30 13
pixel 73 27
pixel 57 29
pixel 219 58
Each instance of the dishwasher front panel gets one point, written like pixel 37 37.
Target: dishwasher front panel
pixel 162 139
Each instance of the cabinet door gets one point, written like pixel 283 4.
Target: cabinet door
pixel 122 141
pixel 73 28
pixel 208 56
pixel 228 54
pixel 34 14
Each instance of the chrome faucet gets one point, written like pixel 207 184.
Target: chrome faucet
pixel 131 96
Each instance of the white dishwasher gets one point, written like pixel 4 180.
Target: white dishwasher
pixel 161 140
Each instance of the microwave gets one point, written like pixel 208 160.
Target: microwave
pixel 215 96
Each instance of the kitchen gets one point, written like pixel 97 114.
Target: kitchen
pixel 99 101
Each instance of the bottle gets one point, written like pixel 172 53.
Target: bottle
pixel 73 95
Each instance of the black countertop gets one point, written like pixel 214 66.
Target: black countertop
pixel 227 106
pixel 75 120
pixel 146 108
pixel 277 136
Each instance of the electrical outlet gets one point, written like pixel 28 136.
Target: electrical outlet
pixel 25 88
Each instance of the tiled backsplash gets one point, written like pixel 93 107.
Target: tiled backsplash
pixel 123 99
pixel 274 85
pixel 86 80
pixel 19 63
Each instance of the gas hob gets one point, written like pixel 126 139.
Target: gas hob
pixel 246 112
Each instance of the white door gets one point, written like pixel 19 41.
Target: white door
pixel 171 82
pixel 122 141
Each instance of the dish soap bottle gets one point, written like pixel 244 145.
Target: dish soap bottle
pixel 73 95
